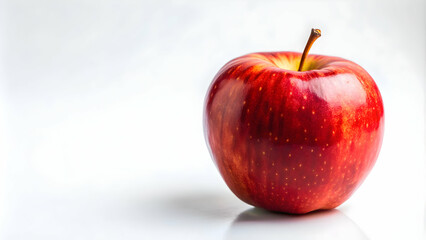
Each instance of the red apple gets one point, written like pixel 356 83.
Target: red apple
pixel 293 141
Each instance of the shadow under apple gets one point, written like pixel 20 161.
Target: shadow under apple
pixel 257 223
pixel 204 205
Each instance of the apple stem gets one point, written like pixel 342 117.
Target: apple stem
pixel 315 33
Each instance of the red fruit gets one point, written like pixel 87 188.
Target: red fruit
pixel 293 141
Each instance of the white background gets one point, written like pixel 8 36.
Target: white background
pixel 101 104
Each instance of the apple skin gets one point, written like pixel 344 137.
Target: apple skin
pixel 291 141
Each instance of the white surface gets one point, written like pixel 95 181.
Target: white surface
pixel 100 117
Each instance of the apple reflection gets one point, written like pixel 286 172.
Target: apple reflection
pixel 258 224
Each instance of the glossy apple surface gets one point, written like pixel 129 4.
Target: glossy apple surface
pixel 293 141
